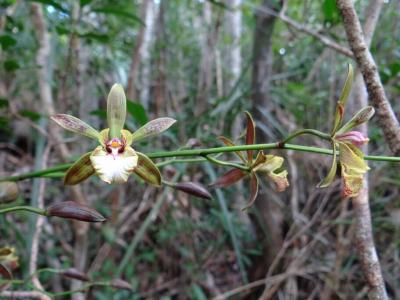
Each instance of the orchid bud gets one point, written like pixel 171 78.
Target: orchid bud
pixel 8 192
pixel 355 137
pixel 76 211
pixel 75 274
pixel 193 188
pixel 362 116
pixel 120 284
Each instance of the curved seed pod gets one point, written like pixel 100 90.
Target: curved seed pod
pixel 121 284
pixel 76 211
pixel 75 274
pixel 192 188
pixel 8 192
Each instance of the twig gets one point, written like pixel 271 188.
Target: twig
pixel 386 117
pixel 303 28
pixel 24 295
pixel 39 226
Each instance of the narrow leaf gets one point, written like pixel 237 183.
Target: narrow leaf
pixel 116 110
pixel 147 170
pixel 75 125
pixel 152 128
pixel 229 178
pixel 332 172
pixel 80 170
pixel 137 111
pixel 75 211
pixel 250 135
pixel 253 190
pixel 229 143
pixel 119 12
pixel 193 188
pixel 343 99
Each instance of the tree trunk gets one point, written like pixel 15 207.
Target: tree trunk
pixel 271 213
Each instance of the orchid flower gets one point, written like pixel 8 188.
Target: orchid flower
pixel 114 159
pixel 268 166
pixel 348 142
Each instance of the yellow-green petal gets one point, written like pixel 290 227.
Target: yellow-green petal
pixel 80 170
pixel 152 128
pixel 343 99
pixel 147 170
pixel 76 125
pixel 352 158
pixel 332 172
pixel 116 110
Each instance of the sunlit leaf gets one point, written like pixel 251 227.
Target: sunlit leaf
pixel 76 125
pixel 147 170
pixel 116 110
pixel 80 170
pixel 229 178
pixel 152 128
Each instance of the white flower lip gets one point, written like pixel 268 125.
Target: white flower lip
pixel 114 167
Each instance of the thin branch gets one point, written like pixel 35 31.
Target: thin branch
pixel 303 28
pixel 386 117
pixel 203 153
pixel 38 227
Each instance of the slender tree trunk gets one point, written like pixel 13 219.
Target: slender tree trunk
pixel 136 55
pixel 233 28
pixel 363 230
pixel 386 117
pixel 272 216
pixel 148 38
pixel 44 74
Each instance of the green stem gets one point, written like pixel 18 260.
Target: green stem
pixel 24 208
pixel 226 163
pixel 204 153
pixel 39 173
pixel 306 131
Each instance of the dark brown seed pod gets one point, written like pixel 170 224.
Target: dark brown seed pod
pixel 76 211
pixel 193 188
